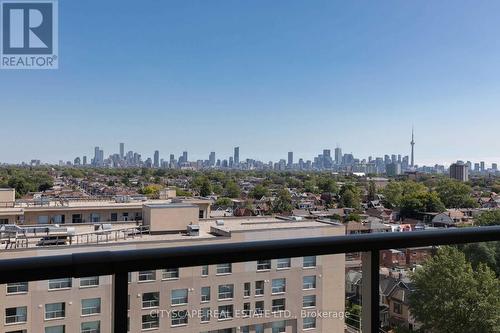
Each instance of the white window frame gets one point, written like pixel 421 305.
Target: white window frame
pixel 17 288
pixel 225 294
pixel 179 300
pixel 151 303
pixel 55 314
pixel 171 273
pixel 89 282
pixel 264 265
pixel 279 289
pixel 90 310
pixel 18 318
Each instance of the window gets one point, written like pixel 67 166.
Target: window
pixel 4 221
pixel 170 274
pixel 60 284
pixel 245 329
pixel 205 294
pixel 17 287
pixel 94 217
pixel 59 219
pixel 87 282
pixel 259 288
pixel 18 331
pixel 179 318
pixel 309 301
pixel 259 328
pixel 125 217
pixel 246 289
pixel 226 291
pixel 129 276
pixel 225 312
pixel 309 323
pixel 278 286
pixel 55 310
pixel 204 270
pixel 149 322
pixel 76 218
pixel 150 300
pixel 309 262
pixel 43 219
pixel 179 296
pixel 91 306
pixel 55 329
pixel 16 315
pixel 278 305
pixel 114 217
pixel 279 326
pixel 398 308
pixel 205 315
pixel 147 276
pixel 263 265
pixel 224 269
pixel 284 263
pixel 309 282
pixel 91 327
pixel 259 307
pixel 246 309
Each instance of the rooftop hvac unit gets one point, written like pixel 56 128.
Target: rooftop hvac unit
pixel 103 227
pixel 193 230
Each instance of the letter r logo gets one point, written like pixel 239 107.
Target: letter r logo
pixel 27 27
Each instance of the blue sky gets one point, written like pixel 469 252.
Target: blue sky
pixel 269 76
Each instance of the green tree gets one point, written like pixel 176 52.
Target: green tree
pixel 483 253
pixel 455 194
pixel 372 190
pixel 182 192
pixel 350 197
pixel 258 192
pixel 395 191
pixel 223 202
pixel 232 190
pixel 449 296
pixel 491 217
pixel 205 187
pixel 151 191
pixel 310 186
pixel 283 202
pixel 426 202
pixel 327 185
pixel 353 217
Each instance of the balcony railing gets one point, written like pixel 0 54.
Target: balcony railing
pixel 120 263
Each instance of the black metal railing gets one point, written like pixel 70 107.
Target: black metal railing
pixel 119 263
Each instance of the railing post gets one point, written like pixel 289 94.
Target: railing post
pixel 120 302
pixel 370 295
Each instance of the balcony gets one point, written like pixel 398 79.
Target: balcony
pixel 118 264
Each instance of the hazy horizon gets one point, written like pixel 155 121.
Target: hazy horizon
pixel 270 77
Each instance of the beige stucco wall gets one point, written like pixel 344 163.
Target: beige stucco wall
pixel 166 218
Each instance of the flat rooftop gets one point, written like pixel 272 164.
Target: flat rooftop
pixel 223 233
pixel 72 204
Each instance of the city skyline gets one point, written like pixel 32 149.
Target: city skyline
pixel 210 77
pixel 390 163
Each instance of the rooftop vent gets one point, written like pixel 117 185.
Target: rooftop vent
pixel 193 230
pixel 219 222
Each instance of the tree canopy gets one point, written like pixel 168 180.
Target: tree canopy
pixel 449 296
pixel 455 194
pixel 283 202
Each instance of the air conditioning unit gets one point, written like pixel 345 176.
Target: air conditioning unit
pixel 193 230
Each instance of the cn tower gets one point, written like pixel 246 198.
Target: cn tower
pixel 412 143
